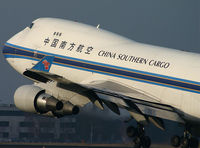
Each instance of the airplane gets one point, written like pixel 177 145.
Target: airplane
pixel 73 64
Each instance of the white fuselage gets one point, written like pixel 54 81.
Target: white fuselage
pixel 171 76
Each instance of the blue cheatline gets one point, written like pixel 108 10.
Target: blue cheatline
pixel 13 51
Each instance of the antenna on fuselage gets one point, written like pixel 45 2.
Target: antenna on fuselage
pixel 98 26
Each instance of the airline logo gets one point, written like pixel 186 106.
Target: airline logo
pixel 46 64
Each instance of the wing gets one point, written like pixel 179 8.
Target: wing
pixel 142 106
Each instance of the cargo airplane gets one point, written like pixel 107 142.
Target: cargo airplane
pixel 73 64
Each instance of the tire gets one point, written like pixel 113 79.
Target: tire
pixel 175 141
pixel 146 142
pixel 194 143
pixel 137 142
pixel 131 131
pixel 184 143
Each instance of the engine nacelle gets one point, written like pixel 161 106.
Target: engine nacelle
pixel 30 98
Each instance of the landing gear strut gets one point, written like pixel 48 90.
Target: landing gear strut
pixel 138 135
pixel 186 141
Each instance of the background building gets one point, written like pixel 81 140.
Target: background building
pixel 18 126
pixel 90 126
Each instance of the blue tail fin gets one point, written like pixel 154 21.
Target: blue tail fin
pixel 44 64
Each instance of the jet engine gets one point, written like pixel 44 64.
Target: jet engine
pixel 68 109
pixel 30 98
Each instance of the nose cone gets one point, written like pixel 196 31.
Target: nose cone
pixel 14 41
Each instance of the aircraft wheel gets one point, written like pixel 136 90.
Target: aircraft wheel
pixel 194 142
pixel 137 142
pixel 146 142
pixel 131 131
pixel 185 143
pixel 175 141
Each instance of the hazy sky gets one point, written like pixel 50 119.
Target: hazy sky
pixel 170 23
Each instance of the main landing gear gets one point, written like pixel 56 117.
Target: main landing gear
pixel 186 141
pixel 138 135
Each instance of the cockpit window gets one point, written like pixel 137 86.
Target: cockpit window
pixel 31 25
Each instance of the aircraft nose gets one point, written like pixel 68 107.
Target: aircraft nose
pixel 14 40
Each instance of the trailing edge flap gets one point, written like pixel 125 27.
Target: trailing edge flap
pixel 138 117
pixel 134 100
pixel 157 122
pixel 112 106
pixel 142 107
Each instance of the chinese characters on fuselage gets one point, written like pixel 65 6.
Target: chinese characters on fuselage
pixel 70 46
